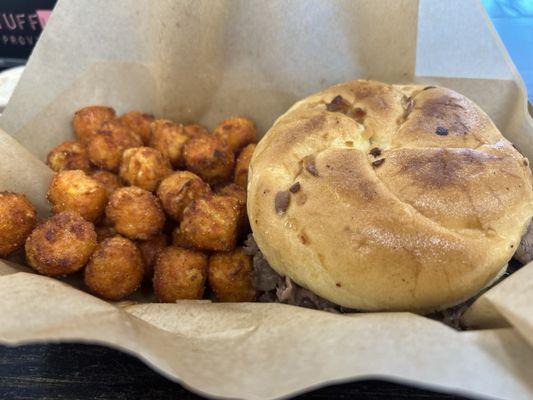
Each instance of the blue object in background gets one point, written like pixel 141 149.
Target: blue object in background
pixel 513 19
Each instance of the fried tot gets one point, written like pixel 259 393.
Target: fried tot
pixel 233 190
pixel 240 176
pixel 106 147
pixel 178 239
pixel 177 191
pixel 104 232
pixel 61 245
pixel 144 167
pixel 135 213
pixel 115 270
pixel 150 250
pixel 88 120
pixel 75 191
pixel 195 130
pixel 239 194
pixel 230 276
pixel 108 180
pixel 236 132
pixel 169 137
pixel 211 223
pixel 179 274
pixel 139 122
pixel 209 158
pixel 17 219
pixel 69 155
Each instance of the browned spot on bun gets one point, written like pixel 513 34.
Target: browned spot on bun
pixel 447 108
pixel 442 168
pixel 346 174
pixel 358 114
pixel 301 199
pixel 314 123
pixel 364 91
pixel 303 238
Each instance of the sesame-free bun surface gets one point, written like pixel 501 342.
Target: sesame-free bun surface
pixel 408 197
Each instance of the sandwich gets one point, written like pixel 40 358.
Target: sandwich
pixel 379 197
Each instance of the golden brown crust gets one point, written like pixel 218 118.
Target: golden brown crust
pixel 209 158
pixel 139 122
pixel 108 180
pixel 71 154
pixel 169 138
pixel 88 120
pixel 115 269
pixel 144 167
pixel 150 250
pixel 61 245
pixel 106 147
pixel 239 194
pixel 177 191
pixel 382 197
pixel 178 239
pixel 210 224
pixel 17 219
pixel 135 213
pixel 104 232
pixel 236 132
pixel 179 274
pixel 195 130
pixel 240 176
pixel 457 187
pixel 233 190
pixel 75 191
pixel 230 276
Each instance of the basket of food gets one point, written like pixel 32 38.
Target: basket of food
pixel 257 199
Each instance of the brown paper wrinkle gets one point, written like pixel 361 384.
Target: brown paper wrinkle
pixel 123 85
pixel 286 339
pixel 8 268
pixel 20 171
pixel 512 299
pixel 203 61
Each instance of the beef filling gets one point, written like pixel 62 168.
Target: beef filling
pixel 274 288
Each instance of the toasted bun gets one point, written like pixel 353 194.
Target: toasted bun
pixel 409 197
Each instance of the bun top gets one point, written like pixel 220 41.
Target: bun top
pixel 388 197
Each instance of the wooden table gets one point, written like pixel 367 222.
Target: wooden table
pixel 75 371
